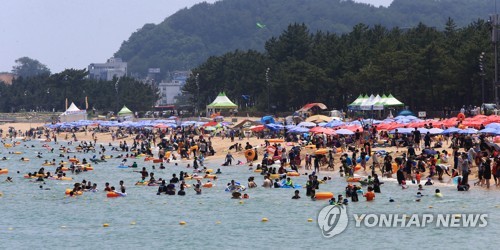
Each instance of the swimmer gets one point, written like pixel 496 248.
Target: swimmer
pixel 420 187
pixel 218 171
pixel 236 195
pixel 331 201
pixel 429 182
pixel 197 189
pixel 41 188
pixel 296 196
pixel 181 191
pixel 9 179
pixel 438 193
pixel 419 195
pixel 245 196
pixel 391 200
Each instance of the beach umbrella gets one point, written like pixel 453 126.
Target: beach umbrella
pixel 267 119
pixel 451 130
pixel 299 130
pixel 435 131
pixel 307 124
pixel 402 131
pixel 493 125
pixel 423 130
pixel 257 128
pixel 488 131
pixel 468 131
pixel 210 128
pixel 318 130
pixel 161 125
pixel 344 131
pixel 334 123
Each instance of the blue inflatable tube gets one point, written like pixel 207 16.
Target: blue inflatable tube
pixel 358 160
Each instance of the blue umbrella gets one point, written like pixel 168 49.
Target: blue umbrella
pixel 493 125
pixel 405 113
pixel 451 130
pixel 344 131
pixel 402 131
pixel 468 131
pixel 488 131
pixel 267 120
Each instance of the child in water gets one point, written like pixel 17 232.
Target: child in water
pixel 296 196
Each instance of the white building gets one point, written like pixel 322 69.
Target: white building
pixel 169 91
pixel 106 71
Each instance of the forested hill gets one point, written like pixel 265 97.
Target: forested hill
pixel 188 37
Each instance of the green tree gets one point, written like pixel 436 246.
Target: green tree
pixel 27 67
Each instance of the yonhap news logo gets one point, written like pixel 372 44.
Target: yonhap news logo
pixel 333 220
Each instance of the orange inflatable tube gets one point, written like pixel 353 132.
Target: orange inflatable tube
pixel 353 179
pixel 112 195
pixel 208 185
pixel 323 195
pixel 4 171
pixel 292 174
pixel 250 154
pixel 275 140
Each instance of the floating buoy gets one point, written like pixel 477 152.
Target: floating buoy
pixel 63 226
pixel 309 220
pixel 105 225
pixel 430 206
pixel 264 219
pixel 132 223
pixel 241 202
pixel 217 222
pixel 182 222
pixel 11 228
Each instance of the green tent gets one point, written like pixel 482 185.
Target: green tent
pixel 125 111
pixel 221 102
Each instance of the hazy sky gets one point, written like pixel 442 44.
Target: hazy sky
pixel 74 33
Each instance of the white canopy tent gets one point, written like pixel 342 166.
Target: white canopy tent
pixel 73 113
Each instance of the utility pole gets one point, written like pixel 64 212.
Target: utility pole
pixel 494 40
pixel 268 91
pixel 481 73
pixel 197 94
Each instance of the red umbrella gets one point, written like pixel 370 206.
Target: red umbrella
pixel 160 125
pixel 257 128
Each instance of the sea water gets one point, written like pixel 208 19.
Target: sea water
pixel 34 218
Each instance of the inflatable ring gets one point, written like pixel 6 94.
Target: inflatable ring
pixel 209 171
pixel 197 178
pixel 210 176
pixel 17 153
pixel 250 154
pixel 357 167
pixel 76 193
pixel 4 171
pixel 88 168
pixel 26 159
pixel 274 176
pixel 157 160
pixel 323 195
pixel 353 179
pixel 47 140
pixel 142 183
pixel 258 170
pixel 48 164
pixel 292 174
pixel 73 160
pixel 7 145
pixel 275 140
pixel 208 185
pixel 322 151
pixel 29 177
pixel 112 195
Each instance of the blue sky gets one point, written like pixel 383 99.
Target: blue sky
pixel 74 33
